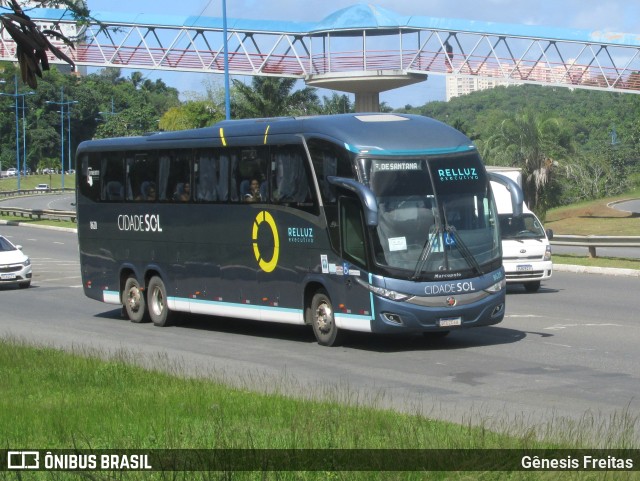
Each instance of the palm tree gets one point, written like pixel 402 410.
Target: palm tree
pixel 272 97
pixel 535 143
pixel 336 104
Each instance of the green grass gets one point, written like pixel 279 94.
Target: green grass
pixel 29 182
pixel 88 400
pixel 613 262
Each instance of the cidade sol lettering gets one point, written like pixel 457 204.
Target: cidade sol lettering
pixel 139 223
pixel 449 288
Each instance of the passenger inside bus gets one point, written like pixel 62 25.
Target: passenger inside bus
pixel 251 190
pixel 183 192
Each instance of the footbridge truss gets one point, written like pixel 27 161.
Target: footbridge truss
pixel 362 49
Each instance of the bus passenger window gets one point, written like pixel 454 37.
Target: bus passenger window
pixel 112 175
pixel 329 159
pixel 89 172
pixel 291 179
pixel 148 191
pixel 114 191
pixel 182 192
pixel 251 174
pixel 251 191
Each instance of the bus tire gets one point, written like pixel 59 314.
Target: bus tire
pixel 159 311
pixel 323 320
pixel 133 301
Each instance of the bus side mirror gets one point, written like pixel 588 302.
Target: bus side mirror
pixel 367 198
pixel 549 233
pixel 517 197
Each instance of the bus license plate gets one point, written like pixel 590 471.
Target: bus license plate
pixel 7 277
pixel 450 321
pixel 524 267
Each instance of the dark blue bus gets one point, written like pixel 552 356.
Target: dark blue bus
pixel 359 222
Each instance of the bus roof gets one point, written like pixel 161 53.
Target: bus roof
pixel 374 133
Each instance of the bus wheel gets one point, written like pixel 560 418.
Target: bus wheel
pixel 133 300
pixel 157 299
pixel 323 321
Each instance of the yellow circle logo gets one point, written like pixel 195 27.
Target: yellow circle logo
pixel 266 266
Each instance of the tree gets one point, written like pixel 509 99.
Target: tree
pixel 272 97
pixel 191 115
pixel 336 104
pixel 535 143
pixel 129 122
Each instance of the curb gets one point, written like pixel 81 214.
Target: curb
pixel 49 227
pixel 610 271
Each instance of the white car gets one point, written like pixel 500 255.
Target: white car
pixel 42 187
pixel 15 267
pixel 11 172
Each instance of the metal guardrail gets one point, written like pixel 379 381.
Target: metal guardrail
pixel 13 193
pixel 39 213
pixel 591 242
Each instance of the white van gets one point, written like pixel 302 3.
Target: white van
pixel 526 252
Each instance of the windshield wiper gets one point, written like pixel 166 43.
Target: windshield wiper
pixel 427 248
pixel 462 247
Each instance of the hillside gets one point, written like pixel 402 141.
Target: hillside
pixel 592 115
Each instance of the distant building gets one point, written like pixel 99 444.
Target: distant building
pixel 458 85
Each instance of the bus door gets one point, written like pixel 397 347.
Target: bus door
pixel 354 254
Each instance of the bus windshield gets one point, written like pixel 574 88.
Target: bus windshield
pixel 436 215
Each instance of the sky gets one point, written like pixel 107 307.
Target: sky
pixel 603 15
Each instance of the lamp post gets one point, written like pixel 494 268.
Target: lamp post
pixel 62 103
pixel 24 131
pixel 16 96
pixel 227 97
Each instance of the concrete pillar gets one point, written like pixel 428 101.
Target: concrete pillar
pixel 367 101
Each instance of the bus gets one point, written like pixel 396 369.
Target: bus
pixel 380 223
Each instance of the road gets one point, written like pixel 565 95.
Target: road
pixel 569 352
pixel 64 201
pixel 628 206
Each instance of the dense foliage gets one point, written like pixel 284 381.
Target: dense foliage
pixel 107 105
pixel 573 144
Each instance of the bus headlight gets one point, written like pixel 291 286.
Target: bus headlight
pixel 547 254
pixel 497 287
pixel 386 293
